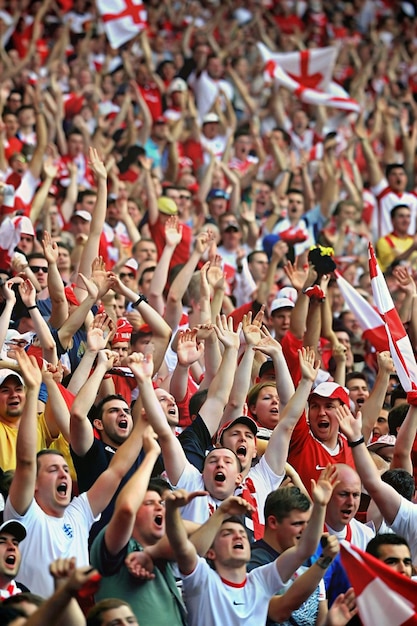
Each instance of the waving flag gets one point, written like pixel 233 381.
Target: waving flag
pixel 383 596
pixel 123 20
pixel 369 320
pixel 399 342
pixel 307 74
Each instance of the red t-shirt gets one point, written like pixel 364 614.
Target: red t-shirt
pixel 309 457
pixel 182 251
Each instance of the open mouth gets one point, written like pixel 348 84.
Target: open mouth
pixel 241 451
pixel 238 546
pixel 62 489
pixel 172 412
pixel 323 424
pixel 346 513
pixel 11 560
pixel 123 424
pixel 220 477
pixel 158 520
pixel 360 401
pixel 274 410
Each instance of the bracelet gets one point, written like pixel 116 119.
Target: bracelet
pixel 353 444
pixel 29 308
pixel 141 298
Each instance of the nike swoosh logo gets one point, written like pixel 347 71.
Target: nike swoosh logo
pixel 238 603
pixel 320 467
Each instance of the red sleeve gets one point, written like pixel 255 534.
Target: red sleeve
pixel 290 346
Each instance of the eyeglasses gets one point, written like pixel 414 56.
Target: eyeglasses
pixel 38 268
pixel 183 197
pixel 128 275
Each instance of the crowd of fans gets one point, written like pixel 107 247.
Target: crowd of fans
pixel 185 394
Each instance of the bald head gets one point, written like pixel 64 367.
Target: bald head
pixel 345 499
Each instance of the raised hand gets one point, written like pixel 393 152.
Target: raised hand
pixel 180 497
pixel 225 332
pixel 101 277
pixel 206 332
pixel 404 279
pixel 268 345
pixel 332 547
pixel 385 362
pixel 97 164
pixel 50 248
pixel 107 357
pixel 141 365
pixel 96 339
pixel 50 168
pixel 215 272
pixel 339 352
pixel 27 293
pixel 90 286
pixel 252 329
pixel 150 441
pixel 350 425
pixel 202 242
pixel 188 350
pixel 28 366
pixel 297 275
pixel 308 364
pixel 342 609
pixel 8 293
pixel 173 231
pixel 322 490
pixel 234 505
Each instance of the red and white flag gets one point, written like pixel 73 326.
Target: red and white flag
pixel 399 342
pixel 307 74
pixel 372 324
pixel 383 596
pixel 122 19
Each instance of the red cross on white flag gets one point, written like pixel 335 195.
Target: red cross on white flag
pixel 123 20
pixel 307 74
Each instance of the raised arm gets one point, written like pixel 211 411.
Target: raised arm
pixel 374 403
pixel 120 528
pixel 22 489
pixel 272 348
pixel 28 295
pixel 81 429
pixel 386 498
pixel 172 452
pixel 183 549
pixel 56 290
pixel 188 353
pixel 290 560
pixel 173 236
pixel 221 385
pixel 78 316
pixel 281 607
pixel 90 251
pixel 276 452
pixel 375 174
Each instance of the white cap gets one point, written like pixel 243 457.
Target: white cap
pixel 211 117
pixel 23 225
pixel 281 303
pixel 178 84
pixel 5 373
pixel 132 264
pixel 85 215
pixel 288 292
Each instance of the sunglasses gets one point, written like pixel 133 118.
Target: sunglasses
pixel 129 275
pixel 183 197
pixel 38 268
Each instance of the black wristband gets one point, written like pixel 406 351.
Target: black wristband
pixel 353 444
pixel 29 308
pixel 141 298
pixel 324 561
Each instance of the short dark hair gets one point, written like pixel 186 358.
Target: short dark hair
pixel 281 502
pixel 159 485
pixel 353 375
pixel 35 255
pixel 25 596
pixel 94 615
pixel 196 401
pixel 99 408
pixel 384 539
pixel 393 166
pixel 401 481
pixel 146 271
pixel 396 416
pixel 397 208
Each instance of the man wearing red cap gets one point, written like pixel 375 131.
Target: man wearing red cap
pixel 316 440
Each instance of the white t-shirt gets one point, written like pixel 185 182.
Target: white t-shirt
pixel 49 538
pixel 361 533
pixel 200 509
pixel 212 601
pixel 405 524
pixel 386 200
